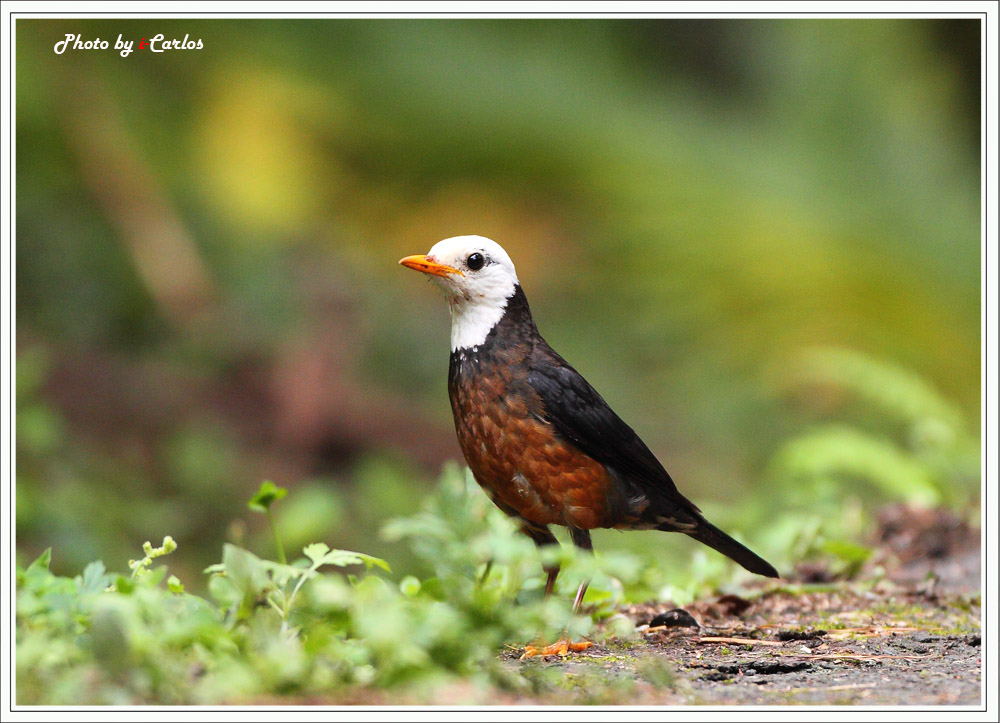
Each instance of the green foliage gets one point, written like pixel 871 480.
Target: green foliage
pixel 851 556
pixel 140 568
pixel 105 638
pixel 874 432
pixel 269 628
pixel 474 549
pixel 901 438
pixel 267 495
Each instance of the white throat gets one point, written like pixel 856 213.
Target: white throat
pixel 479 282
pixel 471 322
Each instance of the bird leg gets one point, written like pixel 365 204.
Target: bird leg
pixel 550 582
pixel 562 648
pixel 542 537
pixel 581 538
pixel 580 592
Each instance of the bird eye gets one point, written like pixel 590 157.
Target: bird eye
pixel 475 261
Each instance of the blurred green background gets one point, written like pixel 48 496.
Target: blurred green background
pixel 759 239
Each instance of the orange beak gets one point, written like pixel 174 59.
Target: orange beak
pixel 423 263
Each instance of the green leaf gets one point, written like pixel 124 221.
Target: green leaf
pixel 248 574
pixel 409 586
pixel 94 579
pixel 36 571
pixel 267 495
pixel 841 453
pixel 371 562
pixel 175 585
pixel 153 577
pixel 316 552
pixel 247 571
pixel 432 587
pixel 321 554
pixel 342 558
pixel 255 577
pixel 223 590
pixel 846 551
pixel 42 561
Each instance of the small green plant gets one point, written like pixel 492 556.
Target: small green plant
pixel 874 431
pixel 879 425
pixel 325 621
pixel 475 549
pixel 267 495
pixel 140 568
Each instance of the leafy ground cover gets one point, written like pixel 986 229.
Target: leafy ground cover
pixel 332 626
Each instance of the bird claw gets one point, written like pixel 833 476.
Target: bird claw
pixel 562 648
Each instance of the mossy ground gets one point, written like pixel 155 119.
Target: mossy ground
pixel 873 642
pixel 855 645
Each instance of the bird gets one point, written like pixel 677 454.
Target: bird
pixel 539 439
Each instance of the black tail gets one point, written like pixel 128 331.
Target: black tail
pixel 718 540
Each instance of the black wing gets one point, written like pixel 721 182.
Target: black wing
pixel 582 417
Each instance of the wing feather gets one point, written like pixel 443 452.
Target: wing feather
pixel 582 417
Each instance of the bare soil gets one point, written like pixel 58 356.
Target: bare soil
pixel 828 647
pixel 905 632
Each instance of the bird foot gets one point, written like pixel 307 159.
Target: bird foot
pixel 562 648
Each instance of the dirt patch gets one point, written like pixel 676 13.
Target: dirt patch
pixel 848 646
pixel 907 634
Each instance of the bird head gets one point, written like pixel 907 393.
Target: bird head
pixel 478 278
